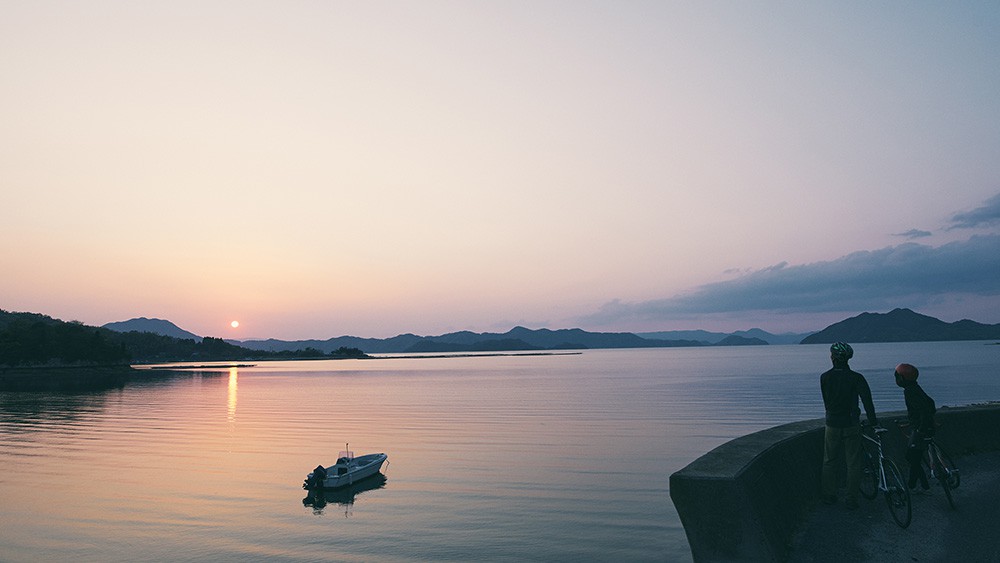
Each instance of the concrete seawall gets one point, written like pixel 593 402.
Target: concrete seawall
pixel 744 500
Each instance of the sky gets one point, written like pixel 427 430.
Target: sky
pixel 319 169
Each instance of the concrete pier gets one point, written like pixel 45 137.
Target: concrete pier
pixel 747 499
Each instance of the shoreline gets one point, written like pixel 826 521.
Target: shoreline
pixel 475 355
pixel 224 365
pixel 172 367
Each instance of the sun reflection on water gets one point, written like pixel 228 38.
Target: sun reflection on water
pixel 231 397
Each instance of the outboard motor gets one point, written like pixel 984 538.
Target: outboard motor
pixel 316 479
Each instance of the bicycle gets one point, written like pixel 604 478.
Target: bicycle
pixel 938 465
pixel 881 474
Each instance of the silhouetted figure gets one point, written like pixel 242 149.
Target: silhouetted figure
pixel 920 411
pixel 842 387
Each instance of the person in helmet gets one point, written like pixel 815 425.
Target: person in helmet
pixel 920 410
pixel 842 387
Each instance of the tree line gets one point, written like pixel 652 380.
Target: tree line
pixel 28 339
pixel 32 342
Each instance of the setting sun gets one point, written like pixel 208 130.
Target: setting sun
pixel 234 324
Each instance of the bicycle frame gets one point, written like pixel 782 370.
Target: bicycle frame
pixel 889 481
pixel 881 469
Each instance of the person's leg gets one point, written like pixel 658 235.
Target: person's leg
pixel 914 455
pixel 853 454
pixel 831 454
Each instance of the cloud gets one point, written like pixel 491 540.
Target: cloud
pixel 914 234
pixel 987 215
pixel 910 273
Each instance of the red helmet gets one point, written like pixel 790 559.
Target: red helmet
pixel 908 372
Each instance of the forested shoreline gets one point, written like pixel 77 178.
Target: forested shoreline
pixel 35 340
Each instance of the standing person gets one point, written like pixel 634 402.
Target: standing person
pixel 920 410
pixel 842 387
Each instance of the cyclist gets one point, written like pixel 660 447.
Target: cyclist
pixel 842 387
pixel 920 410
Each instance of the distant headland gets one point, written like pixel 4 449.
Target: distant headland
pixel 898 325
pixel 32 340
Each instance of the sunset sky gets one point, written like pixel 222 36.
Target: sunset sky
pixel 318 169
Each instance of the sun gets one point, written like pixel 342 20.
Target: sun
pixel 235 324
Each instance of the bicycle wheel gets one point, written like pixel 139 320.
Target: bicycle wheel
pixel 944 472
pixel 869 477
pixel 954 478
pixel 897 496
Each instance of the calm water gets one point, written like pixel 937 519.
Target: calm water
pixel 545 458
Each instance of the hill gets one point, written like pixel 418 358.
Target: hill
pixel 736 340
pixel 156 326
pixel 29 340
pixel 708 337
pixel 370 345
pixel 518 338
pixel 783 338
pixel 901 325
pixel 897 326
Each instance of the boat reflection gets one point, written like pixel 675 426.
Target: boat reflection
pixel 318 499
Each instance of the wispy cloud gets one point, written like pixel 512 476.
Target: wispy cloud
pixel 909 273
pixel 987 215
pixel 914 234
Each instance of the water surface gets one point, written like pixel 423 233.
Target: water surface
pixel 506 458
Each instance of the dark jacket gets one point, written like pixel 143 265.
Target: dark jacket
pixel 842 387
pixel 920 409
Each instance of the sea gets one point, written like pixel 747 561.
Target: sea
pixel 535 457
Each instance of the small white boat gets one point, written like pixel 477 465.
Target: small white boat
pixel 347 471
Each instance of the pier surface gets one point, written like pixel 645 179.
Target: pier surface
pixel 936 533
pixel 756 498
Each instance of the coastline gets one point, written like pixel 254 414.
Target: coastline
pixel 474 355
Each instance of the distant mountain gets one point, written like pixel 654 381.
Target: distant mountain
pixel 735 340
pixel 897 326
pixel 518 338
pixel 783 338
pixel 370 345
pixel 572 338
pixel 502 345
pixel 702 336
pixel 155 326
pixel 717 337
pixel 901 325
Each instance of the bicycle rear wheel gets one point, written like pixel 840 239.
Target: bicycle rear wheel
pixel 954 479
pixel 943 479
pixel 897 496
pixel 945 472
pixel 869 477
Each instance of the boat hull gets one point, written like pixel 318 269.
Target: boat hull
pixel 340 475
